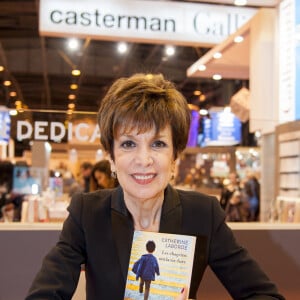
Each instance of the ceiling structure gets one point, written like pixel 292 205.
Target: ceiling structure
pixel 234 62
pixel 40 67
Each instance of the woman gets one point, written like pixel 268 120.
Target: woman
pixel 144 123
pixel 237 208
pixel 231 185
pixel 232 200
pixel 252 193
pixel 101 177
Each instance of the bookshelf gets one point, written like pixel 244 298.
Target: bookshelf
pixel 287 179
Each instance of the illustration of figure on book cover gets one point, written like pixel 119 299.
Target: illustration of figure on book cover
pixel 160 265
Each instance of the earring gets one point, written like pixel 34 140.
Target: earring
pixel 113 174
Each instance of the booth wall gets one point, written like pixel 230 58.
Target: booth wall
pixel 275 247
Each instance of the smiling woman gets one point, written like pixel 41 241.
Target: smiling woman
pixel 144 123
pixel 149 103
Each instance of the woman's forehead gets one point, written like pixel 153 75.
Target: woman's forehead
pixel 136 130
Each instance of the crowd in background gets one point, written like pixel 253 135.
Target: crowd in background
pixel 241 198
pixel 97 176
pixel 90 177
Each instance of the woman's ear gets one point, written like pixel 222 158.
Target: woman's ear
pixel 112 163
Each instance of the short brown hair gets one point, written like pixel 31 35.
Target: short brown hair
pixel 143 101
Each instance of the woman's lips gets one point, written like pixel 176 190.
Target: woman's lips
pixel 143 178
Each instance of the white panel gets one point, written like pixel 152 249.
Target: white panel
pixel 144 21
pixel 263 99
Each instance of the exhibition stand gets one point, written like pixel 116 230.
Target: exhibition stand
pixel 275 246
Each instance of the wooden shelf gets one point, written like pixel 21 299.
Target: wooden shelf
pixel 287 168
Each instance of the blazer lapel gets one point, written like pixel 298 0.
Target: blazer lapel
pixel 122 224
pixel 122 229
pixel 171 218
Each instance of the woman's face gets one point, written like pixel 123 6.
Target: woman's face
pixel 102 179
pixel 144 163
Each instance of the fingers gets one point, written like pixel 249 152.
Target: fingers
pixel 183 295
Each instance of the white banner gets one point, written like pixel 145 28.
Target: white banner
pixel 142 21
pixel 5 124
pixel 77 132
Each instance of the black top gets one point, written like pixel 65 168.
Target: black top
pixel 99 231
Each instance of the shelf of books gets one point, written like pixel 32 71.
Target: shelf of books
pixel 288 209
pixel 288 172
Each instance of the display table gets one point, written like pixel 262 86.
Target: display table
pixel 275 246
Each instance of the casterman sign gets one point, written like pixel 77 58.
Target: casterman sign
pixel 142 21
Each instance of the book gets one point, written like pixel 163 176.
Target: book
pixel 168 267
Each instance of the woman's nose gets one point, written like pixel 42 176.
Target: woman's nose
pixel 144 156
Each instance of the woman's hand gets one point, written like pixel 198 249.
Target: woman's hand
pixel 183 295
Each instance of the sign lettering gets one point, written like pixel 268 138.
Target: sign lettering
pixel 56 131
pixel 133 20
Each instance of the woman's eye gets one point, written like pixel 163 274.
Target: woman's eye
pixel 159 144
pixel 128 144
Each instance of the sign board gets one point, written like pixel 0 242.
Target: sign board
pixel 194 128
pixel 221 129
pixel 5 123
pixel 142 21
pixel 286 61
pixel 76 132
pixel 289 60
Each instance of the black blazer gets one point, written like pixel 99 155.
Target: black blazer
pixel 98 233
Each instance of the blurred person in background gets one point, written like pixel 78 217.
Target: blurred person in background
pixel 251 188
pixel 85 175
pixel 233 199
pixel 230 186
pixel 237 209
pixel 3 193
pixel 102 176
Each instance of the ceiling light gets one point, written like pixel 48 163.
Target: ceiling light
pixel 13 112
pixel 202 68
pixel 76 72
pixel 122 47
pixel 238 39
pixel 197 93
pixel 217 77
pixel 18 103
pixel 73 44
pixel 217 55
pixel 7 83
pixel 170 50
pixel 240 2
pixel 71 105
pixel 72 97
pixel 203 112
pixel 1 68
pixel 74 86
pixel 202 98
pixel 13 94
